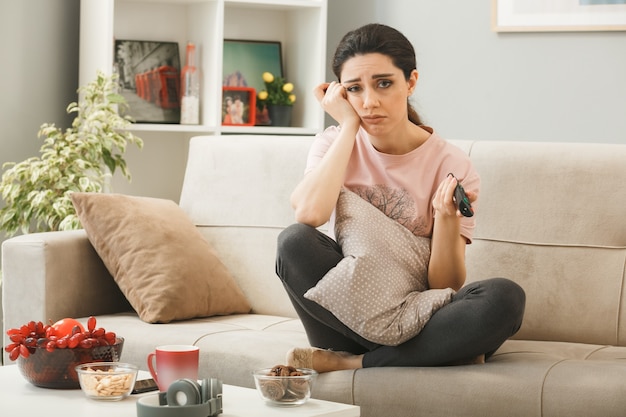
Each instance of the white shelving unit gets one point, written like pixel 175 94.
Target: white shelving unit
pixel 300 26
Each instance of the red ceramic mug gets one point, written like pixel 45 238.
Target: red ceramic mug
pixel 171 362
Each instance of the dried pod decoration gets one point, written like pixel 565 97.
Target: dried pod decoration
pixel 285 388
pixel 298 387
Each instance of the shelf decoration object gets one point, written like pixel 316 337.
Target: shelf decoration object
pixel 562 16
pixel 278 99
pixel 244 60
pixel 279 115
pixel 149 79
pixel 238 106
pixel 190 82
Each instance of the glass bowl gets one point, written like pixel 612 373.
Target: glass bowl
pixel 57 369
pixel 284 390
pixel 108 381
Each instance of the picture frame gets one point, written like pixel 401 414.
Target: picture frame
pixel 238 106
pixel 245 61
pixel 149 79
pixel 558 15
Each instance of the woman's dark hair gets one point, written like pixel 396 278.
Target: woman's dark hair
pixel 382 39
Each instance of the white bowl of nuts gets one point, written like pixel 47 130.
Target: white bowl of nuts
pixel 109 381
pixel 284 385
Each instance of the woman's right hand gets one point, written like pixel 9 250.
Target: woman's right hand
pixel 333 99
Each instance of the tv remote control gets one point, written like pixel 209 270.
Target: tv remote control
pixel 461 200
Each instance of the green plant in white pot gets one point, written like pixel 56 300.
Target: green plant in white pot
pixel 82 158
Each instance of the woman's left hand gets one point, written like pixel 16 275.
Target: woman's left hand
pixel 443 201
pixel 447 260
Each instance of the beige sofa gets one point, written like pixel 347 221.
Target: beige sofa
pixel 551 217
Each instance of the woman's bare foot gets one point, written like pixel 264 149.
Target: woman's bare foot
pixel 323 360
pixel 328 360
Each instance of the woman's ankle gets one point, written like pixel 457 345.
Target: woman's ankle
pixel 328 360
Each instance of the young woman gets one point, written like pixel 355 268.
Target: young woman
pixel 382 148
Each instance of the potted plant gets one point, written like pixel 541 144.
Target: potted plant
pixel 82 158
pixel 277 98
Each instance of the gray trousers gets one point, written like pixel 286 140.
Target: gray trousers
pixel 480 317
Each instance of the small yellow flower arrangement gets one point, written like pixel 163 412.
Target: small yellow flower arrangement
pixel 277 91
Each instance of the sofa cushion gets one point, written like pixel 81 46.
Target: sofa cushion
pixel 380 288
pixel 164 267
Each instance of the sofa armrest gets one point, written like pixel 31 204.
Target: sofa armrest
pixel 49 276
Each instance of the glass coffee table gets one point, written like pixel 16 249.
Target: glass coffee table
pixel 19 397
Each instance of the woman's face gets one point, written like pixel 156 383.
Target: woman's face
pixel 378 91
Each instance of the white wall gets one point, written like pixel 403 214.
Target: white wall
pixel 478 84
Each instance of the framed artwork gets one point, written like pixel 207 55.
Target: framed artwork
pixel 245 62
pixel 149 79
pixel 238 106
pixel 558 15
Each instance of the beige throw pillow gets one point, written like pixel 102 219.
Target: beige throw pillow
pixel 162 264
pixel 380 288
